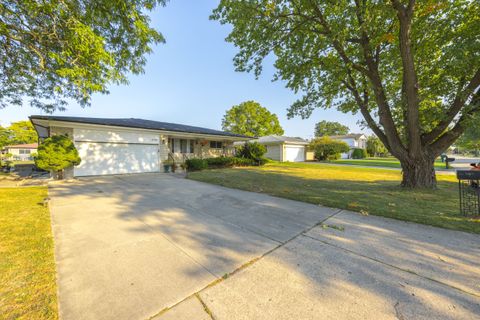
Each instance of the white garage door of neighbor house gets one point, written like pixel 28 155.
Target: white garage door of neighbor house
pixel 294 153
pixel 104 152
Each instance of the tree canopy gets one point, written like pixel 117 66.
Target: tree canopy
pixel 18 133
pixel 251 119
pixel 470 140
pixel 330 128
pixel 55 51
pixel 412 69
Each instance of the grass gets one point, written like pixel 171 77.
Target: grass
pixel 27 267
pixel 380 162
pixel 367 190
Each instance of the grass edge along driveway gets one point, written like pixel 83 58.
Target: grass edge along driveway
pixel 366 190
pixel 27 266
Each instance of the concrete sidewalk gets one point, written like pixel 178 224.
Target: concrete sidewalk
pixel 358 268
pixel 142 246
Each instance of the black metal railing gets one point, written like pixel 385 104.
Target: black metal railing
pixel 469 192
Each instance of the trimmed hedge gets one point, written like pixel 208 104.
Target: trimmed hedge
pixel 359 153
pixel 196 164
pixel 221 162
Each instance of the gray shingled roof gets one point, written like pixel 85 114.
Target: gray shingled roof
pixel 139 123
pixel 282 139
pixel 348 136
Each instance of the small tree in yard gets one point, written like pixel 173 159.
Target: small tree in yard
pixel 325 148
pixel 252 150
pixel 56 154
pixel 375 147
pixel 359 153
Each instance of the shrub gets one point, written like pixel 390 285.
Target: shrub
pixel 220 162
pixel 325 148
pixel 57 153
pixel 359 153
pixel 196 164
pixel 244 162
pixel 251 150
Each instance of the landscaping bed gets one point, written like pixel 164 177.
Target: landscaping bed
pixel 366 190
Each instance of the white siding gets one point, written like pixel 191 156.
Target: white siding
pixel 273 152
pixel 163 152
pixel 115 136
pixel 350 141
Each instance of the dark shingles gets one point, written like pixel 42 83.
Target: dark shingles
pixel 139 123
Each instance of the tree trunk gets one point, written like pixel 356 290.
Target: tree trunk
pixel 418 173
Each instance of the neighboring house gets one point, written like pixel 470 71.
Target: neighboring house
pixel 117 146
pixel 21 152
pixel 283 148
pixel 354 140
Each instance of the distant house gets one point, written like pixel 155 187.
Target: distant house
pixel 21 152
pixel 283 148
pixel 354 140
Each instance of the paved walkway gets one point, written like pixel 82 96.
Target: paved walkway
pixel 156 246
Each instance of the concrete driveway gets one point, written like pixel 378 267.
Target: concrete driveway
pixel 158 246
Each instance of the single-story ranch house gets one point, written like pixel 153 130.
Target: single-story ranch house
pixel 283 148
pixel 117 146
pixel 21 152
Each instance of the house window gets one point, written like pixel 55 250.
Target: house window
pixel 24 151
pixel 183 146
pixel 216 144
pixel 171 144
pixel 192 147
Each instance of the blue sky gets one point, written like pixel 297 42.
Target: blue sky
pixel 191 80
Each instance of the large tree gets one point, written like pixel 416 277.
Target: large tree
pixel 251 119
pixel 22 132
pixel 411 69
pixel 18 133
pixel 55 51
pixel 330 128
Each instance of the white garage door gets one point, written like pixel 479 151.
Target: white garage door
pixel 104 152
pixel 294 153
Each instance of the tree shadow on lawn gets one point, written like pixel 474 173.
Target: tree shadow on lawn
pixel 221 245
pixel 379 197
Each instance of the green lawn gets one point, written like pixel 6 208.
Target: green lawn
pixel 368 190
pixel 380 162
pixel 27 266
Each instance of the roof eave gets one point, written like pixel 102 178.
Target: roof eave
pixel 41 121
